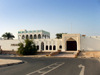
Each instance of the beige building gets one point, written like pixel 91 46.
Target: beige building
pixel 69 42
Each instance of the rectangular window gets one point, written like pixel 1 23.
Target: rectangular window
pixel 14 44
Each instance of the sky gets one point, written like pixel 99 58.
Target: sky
pixel 54 16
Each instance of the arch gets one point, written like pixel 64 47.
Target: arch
pixel 50 47
pixel 71 39
pixel 27 37
pixel 71 45
pixel 54 47
pixel 37 47
pixel 42 46
pixel 46 47
pixel 39 36
pixel 35 37
pixel 23 37
pixel 31 37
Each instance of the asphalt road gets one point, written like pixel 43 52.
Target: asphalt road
pixel 52 66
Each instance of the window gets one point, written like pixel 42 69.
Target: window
pixel 39 36
pixel 31 37
pixel 26 36
pixel 54 47
pixel 46 47
pixel 37 47
pixel 14 44
pixel 23 37
pixel 35 37
pixel 60 46
pixel 50 47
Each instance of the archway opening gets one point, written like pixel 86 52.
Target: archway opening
pixel 39 36
pixel 35 37
pixel 31 37
pixel 46 47
pixel 71 45
pixel 50 47
pixel 37 47
pixel 27 37
pixel 54 47
pixel 42 46
pixel 23 37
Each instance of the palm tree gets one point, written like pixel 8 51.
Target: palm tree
pixel 8 36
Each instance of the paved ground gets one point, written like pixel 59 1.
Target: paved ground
pixel 52 66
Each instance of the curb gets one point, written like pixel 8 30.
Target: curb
pixel 57 57
pixel 75 56
pixel 47 56
pixel 10 64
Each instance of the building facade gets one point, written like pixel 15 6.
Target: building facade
pixel 35 34
pixel 69 42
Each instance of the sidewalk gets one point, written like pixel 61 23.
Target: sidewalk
pixel 7 62
pixel 66 55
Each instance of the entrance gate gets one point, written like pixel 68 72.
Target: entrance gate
pixel 71 45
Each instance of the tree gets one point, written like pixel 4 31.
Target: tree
pixel 59 35
pixel 27 48
pixel 8 36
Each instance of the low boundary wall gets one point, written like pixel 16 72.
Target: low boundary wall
pixel 8 52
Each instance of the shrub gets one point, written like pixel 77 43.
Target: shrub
pixel 27 48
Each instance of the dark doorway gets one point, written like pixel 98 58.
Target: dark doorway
pixel 42 46
pixel 54 47
pixel 37 47
pixel 50 47
pixel 46 47
pixel 71 45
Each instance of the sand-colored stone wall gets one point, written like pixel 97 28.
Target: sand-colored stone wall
pixel 89 54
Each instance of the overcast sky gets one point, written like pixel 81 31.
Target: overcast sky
pixel 54 16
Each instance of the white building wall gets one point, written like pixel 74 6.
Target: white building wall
pixel 48 42
pixel 7 45
pixel 91 43
pixel 86 43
